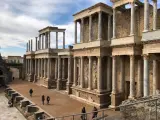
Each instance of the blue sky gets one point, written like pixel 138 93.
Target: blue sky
pixel 20 21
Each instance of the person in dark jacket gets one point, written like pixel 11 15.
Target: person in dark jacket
pixel 31 92
pixel 95 112
pixel 43 99
pixel 83 116
pixel 48 99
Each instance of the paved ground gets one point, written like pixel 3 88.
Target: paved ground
pixel 60 104
pixel 7 113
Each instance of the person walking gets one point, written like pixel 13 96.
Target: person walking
pixel 31 92
pixel 48 99
pixel 95 112
pixel 43 99
pixel 83 116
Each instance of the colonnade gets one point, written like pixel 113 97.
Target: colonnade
pixel 91 28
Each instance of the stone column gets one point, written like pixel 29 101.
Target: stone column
pixel 63 40
pixel 36 43
pixel 146 76
pixel 132 31
pixel 109 27
pixel 49 39
pixel 109 73
pixel 44 66
pixel 90 28
pixel 29 46
pixel 59 73
pixel 63 68
pixel 100 25
pixel 155 76
pixel 42 41
pixel 90 73
pixel 140 79
pixel 38 68
pixel 132 77
pixel 48 68
pixel 35 66
pixel 46 40
pixel 82 73
pixel 39 41
pixel 56 40
pixel 154 14
pixel 30 66
pixel 56 66
pixel 122 77
pixel 75 71
pixel 114 23
pixel 69 82
pixel 41 67
pixel 146 15
pixel 82 31
pixel 114 75
pixel 75 22
pixel 99 65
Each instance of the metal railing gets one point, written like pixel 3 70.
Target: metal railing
pixel 140 109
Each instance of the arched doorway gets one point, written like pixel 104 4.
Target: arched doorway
pixel 2 77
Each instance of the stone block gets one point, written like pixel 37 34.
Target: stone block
pixel 24 103
pixel 38 114
pixel 7 89
pixel 18 99
pixel 10 92
pixel 31 108
pixel 13 95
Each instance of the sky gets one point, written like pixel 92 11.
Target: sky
pixel 20 21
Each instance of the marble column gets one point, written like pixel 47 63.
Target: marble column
pixel 90 73
pixel 140 79
pixel 35 66
pixel 38 68
pixel 56 40
pixel 122 76
pixel 154 14
pixel 75 23
pixel 114 23
pixel 63 68
pixel 41 67
pixel 90 28
pixel 100 25
pixel 30 66
pixel 99 65
pixel 132 77
pixel 132 31
pixel 49 39
pixel 56 68
pixel 82 30
pixel 109 27
pixel 31 45
pixel 48 68
pixel 109 73
pixel 75 71
pixel 82 72
pixel 63 40
pixel 146 76
pixel 146 15
pixel 69 70
pixel 59 73
pixel 46 40
pixel 155 76
pixel 40 41
pixel 114 75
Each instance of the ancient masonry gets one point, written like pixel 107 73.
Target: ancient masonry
pixel 116 59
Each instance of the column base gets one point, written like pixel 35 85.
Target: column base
pixel 69 90
pixel 35 78
pixel 59 84
pixel 115 101
pixel 131 97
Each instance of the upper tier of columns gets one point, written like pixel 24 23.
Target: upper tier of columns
pixel 91 28
pixel 29 46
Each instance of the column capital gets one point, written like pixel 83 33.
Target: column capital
pixel 146 56
pixel 89 57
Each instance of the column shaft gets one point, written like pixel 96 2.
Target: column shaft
pixel 44 65
pixel 146 77
pixel 36 43
pixel 48 68
pixel 154 14
pixel 122 77
pixel 63 40
pixel 82 31
pixel 109 27
pixel 140 79
pixel 100 25
pixel 114 23
pixel 35 66
pixel 109 73
pixel 42 41
pixel 90 28
pixel 56 40
pixel 39 67
pixel 155 76
pixel 132 78
pixel 82 73
pixel 90 73
pixel 75 71
pixel 56 67
pixel 63 68
pixel 31 45
pixel 69 69
pixel 27 47
pixel 100 83
pixel 132 31
pixel 75 32
pixel 114 77
pixel 49 39
pixel 39 41
pixel 59 69
pixel 146 15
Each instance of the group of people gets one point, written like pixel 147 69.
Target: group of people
pixel 43 97
pixel 94 113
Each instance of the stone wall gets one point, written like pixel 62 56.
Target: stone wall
pixel 86 30
pixel 104 26
pixel 94 73
pixel 104 72
pixel 95 27
pixel 86 72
